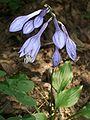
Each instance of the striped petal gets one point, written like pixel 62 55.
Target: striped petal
pixel 71 49
pixel 28 27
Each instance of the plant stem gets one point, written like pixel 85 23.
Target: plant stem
pixel 51 97
pixel 37 109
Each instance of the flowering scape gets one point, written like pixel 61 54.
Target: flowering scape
pixel 32 45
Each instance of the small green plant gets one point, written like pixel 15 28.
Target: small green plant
pixel 19 85
pixel 64 97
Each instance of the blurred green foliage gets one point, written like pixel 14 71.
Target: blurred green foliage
pixel 12 4
pixel 87 15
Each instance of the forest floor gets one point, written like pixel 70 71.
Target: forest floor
pixel 38 71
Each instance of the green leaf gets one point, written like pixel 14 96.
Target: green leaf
pixel 18 86
pixel 40 116
pixel 21 83
pixel 85 111
pixel 14 118
pixel 4 88
pixel 62 77
pixel 2 73
pixel 29 117
pixel 25 85
pixel 20 76
pixel 87 15
pixel 68 98
pixel 2 118
pixel 24 99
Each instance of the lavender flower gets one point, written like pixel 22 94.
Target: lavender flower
pixel 56 58
pixel 59 37
pixel 71 48
pixel 18 23
pixel 32 46
pixel 70 45
pixel 37 22
pixel 28 27
pixel 39 19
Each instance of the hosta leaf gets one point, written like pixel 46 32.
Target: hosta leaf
pixel 20 83
pixel 5 89
pixel 15 79
pixel 40 116
pixel 25 85
pixel 24 99
pixel 85 111
pixel 20 76
pixel 68 98
pixel 2 73
pixel 62 77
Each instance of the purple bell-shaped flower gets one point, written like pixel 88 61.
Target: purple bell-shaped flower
pixel 39 19
pixel 28 27
pixel 71 48
pixel 32 45
pixel 70 45
pixel 56 58
pixel 59 37
pixel 35 23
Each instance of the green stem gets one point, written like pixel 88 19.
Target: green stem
pixel 37 109
pixel 51 98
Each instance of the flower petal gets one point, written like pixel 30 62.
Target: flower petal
pixel 28 27
pixel 34 52
pixel 25 45
pixel 56 58
pixel 71 49
pixel 29 46
pixel 38 21
pixel 18 23
pixel 59 39
pixel 35 46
